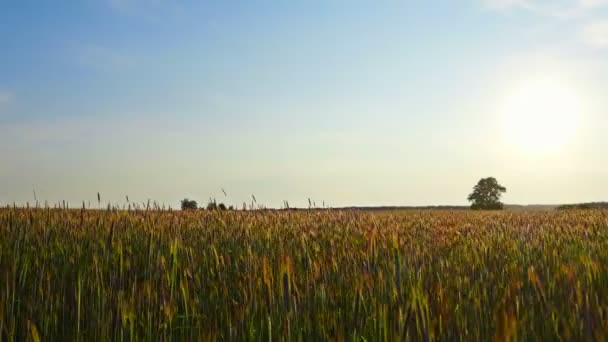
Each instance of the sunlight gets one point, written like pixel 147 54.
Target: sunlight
pixel 541 116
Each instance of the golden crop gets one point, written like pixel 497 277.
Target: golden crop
pixel 305 275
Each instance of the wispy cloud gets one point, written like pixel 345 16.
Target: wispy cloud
pixel 595 34
pixel 592 3
pixel 504 4
pixel 559 9
pixel 588 15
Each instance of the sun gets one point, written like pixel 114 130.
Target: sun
pixel 541 116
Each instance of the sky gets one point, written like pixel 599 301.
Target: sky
pixel 387 102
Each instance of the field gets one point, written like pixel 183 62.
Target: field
pixel 303 275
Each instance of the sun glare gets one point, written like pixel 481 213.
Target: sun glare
pixel 541 116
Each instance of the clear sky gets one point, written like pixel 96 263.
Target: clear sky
pixel 348 102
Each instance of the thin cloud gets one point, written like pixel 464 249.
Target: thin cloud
pixel 595 34
pixel 504 4
pixel 592 3
pixel 593 29
pixel 559 9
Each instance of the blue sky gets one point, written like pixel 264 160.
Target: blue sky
pixel 347 102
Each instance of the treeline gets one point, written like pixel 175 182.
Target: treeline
pixel 188 204
pixel 592 205
pixel 400 208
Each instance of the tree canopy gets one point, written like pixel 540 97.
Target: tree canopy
pixel 486 195
pixel 189 204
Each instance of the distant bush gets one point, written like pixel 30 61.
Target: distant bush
pixel 213 205
pixel 189 204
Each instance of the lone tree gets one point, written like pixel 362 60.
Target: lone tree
pixel 486 195
pixel 189 204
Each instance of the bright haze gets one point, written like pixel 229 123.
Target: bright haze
pixel 347 102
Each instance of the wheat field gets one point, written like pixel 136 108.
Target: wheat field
pixel 96 275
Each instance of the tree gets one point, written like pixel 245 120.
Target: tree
pixel 486 195
pixel 189 204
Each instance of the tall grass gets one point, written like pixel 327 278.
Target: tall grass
pixel 310 275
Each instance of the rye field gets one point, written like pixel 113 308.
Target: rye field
pixel 87 275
